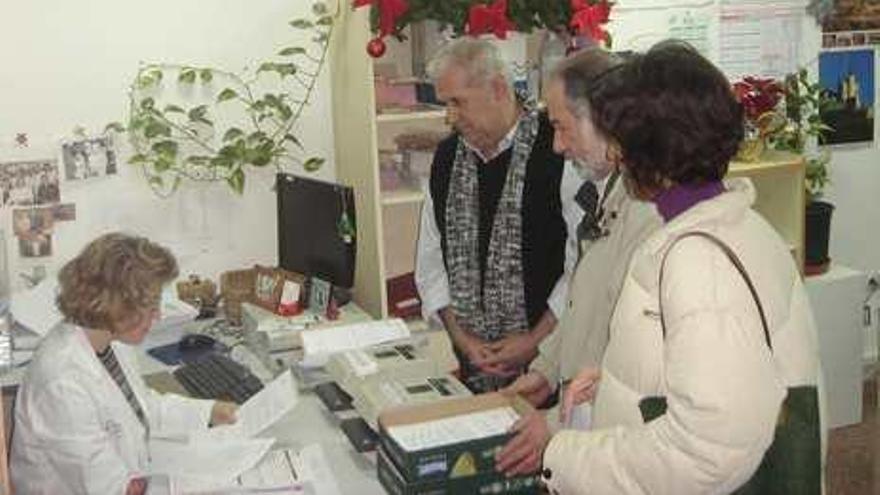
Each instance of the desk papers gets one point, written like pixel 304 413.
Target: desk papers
pixel 454 429
pixel 190 465
pixel 258 413
pixel 288 468
pixel 319 344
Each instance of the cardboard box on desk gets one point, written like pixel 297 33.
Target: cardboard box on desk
pixel 485 483
pixel 470 461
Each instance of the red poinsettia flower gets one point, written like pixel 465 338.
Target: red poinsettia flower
pixel 389 12
pixel 490 18
pixel 588 18
pixel 758 96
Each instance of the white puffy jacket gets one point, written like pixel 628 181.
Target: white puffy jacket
pixel 722 384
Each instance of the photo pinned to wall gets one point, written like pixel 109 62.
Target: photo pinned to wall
pixel 29 183
pixel 89 158
pixel 34 227
pixel 847 78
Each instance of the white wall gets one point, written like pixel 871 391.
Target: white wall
pixel 68 63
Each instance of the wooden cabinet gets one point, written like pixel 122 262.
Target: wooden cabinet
pixel 781 198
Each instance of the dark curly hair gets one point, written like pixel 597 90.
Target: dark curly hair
pixel 674 116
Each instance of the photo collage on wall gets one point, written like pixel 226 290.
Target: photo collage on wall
pixel 847 68
pixel 31 189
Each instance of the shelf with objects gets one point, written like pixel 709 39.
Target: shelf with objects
pixel 778 178
pixel 387 124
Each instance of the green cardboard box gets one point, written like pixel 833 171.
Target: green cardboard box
pixel 479 484
pixel 453 460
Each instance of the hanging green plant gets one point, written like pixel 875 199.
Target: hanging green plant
pixel 224 124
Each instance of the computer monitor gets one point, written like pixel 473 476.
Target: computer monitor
pixel 316 229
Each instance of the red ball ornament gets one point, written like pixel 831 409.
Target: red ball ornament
pixel 376 47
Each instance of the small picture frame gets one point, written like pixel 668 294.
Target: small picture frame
pixel 266 284
pixel 269 286
pixel 320 292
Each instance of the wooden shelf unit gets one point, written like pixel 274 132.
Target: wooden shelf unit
pixel 779 182
pixel 387 221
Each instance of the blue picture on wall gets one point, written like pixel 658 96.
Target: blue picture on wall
pixel 847 79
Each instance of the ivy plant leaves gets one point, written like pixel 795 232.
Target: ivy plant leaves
pixel 186 139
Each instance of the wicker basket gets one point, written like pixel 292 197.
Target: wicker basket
pixel 197 291
pixel 236 287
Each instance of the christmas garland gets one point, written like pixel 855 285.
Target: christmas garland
pixel 585 18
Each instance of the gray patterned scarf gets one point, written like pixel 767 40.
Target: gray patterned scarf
pixel 500 308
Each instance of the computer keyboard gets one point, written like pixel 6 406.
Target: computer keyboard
pixel 216 376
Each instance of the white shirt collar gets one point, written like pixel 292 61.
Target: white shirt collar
pixel 503 145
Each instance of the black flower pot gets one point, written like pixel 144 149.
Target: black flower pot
pixel 817 234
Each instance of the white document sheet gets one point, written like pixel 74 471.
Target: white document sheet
pixel 306 469
pixel 221 462
pixel 454 429
pixel 259 412
pixel 35 309
pixel 319 344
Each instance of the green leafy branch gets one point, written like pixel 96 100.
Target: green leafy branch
pixel 175 142
pixel 804 105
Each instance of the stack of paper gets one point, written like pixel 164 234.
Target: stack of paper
pixel 257 414
pixel 454 429
pixel 319 344
pixel 215 458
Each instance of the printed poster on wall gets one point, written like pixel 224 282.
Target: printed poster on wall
pixel 847 78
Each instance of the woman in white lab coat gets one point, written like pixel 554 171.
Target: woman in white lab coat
pixel 83 413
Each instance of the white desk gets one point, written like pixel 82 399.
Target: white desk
pixel 309 422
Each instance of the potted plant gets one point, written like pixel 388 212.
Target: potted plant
pixel 804 131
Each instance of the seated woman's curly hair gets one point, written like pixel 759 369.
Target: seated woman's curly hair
pixel 674 116
pixel 115 281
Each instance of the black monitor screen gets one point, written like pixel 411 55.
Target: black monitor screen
pixel 312 239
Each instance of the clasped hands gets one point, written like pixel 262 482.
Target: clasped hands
pixel 523 454
pixel 502 357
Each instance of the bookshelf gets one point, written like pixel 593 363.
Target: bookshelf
pixel 779 182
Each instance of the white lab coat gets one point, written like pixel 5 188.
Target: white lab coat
pixel 74 431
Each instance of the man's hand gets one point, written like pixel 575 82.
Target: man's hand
pixel 532 386
pixel 523 453
pixel 582 389
pixel 479 353
pixel 223 413
pixel 513 351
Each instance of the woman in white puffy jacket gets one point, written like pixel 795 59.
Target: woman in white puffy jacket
pixel 83 414
pixel 677 125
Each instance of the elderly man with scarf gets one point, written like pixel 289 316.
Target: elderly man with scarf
pixel 492 243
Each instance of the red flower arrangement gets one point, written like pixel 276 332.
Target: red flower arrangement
pixel 583 18
pixel 758 96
